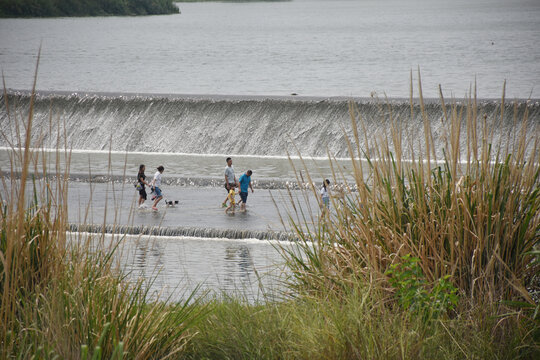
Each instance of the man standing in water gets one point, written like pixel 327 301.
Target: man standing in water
pixel 230 179
pixel 245 182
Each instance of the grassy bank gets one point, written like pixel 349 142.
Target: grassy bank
pixel 419 258
pixel 360 324
pixel 59 8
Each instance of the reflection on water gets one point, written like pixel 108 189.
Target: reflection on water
pixel 173 267
pixel 238 266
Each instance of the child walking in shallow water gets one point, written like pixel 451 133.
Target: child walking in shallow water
pixel 325 196
pixel 156 183
pixel 232 201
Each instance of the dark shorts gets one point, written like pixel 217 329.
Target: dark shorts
pixel 243 196
pixel 142 193
pixel 232 185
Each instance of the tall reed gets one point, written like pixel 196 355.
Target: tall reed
pixel 472 216
pixel 65 296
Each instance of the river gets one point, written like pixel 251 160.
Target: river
pixel 256 81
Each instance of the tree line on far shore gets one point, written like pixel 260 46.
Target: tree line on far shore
pixel 56 8
pixel 236 1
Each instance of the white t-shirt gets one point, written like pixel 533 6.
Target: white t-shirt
pixel 324 192
pixel 157 179
pixel 229 173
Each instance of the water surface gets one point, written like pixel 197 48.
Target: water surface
pixel 308 47
pixel 175 267
pixel 344 48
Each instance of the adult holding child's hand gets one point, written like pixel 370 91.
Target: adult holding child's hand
pixel 230 179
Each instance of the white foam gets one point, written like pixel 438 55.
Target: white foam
pixel 128 237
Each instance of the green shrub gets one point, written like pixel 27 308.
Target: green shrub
pixel 413 292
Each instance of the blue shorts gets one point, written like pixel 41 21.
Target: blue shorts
pixel 243 196
pixel 326 202
pixel 157 191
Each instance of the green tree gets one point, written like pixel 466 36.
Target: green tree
pixel 50 8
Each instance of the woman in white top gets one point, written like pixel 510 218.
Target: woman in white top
pixel 325 195
pixel 156 183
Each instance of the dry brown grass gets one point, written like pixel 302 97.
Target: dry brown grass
pixel 66 297
pixel 472 215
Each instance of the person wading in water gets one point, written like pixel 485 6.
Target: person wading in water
pixel 230 180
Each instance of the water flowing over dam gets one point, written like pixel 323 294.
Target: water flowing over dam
pixel 261 126
pixel 184 231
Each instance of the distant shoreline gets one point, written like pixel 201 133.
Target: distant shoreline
pixel 85 8
pixel 89 8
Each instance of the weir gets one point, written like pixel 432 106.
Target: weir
pixel 183 231
pixel 264 126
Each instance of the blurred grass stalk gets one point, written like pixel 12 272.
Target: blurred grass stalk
pixel 64 297
pixel 472 215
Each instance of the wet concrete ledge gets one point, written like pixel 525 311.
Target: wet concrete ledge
pixel 184 231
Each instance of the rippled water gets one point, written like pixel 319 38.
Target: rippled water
pixel 174 267
pixel 230 256
pixel 309 47
pixel 181 169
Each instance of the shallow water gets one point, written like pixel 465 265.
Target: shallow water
pixel 198 208
pixel 180 169
pixel 174 267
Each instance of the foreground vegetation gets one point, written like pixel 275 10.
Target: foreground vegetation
pixel 356 325
pixel 421 259
pixel 429 258
pixel 65 298
pixel 57 8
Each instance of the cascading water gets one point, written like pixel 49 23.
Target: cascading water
pixel 184 231
pixel 241 125
pixel 163 129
